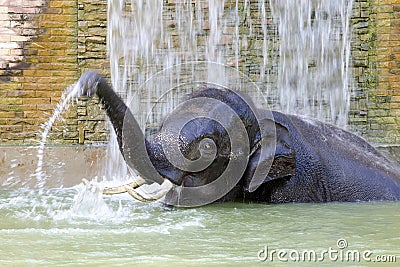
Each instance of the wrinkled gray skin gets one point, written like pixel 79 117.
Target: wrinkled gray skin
pixel 313 161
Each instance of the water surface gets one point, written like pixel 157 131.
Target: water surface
pixel 61 227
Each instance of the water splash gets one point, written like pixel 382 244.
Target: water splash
pixel 67 97
pixel 89 201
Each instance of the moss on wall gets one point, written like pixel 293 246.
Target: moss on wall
pixel 376 107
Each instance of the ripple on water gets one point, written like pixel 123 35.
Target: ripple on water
pixel 49 226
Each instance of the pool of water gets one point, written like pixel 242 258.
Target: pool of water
pixel 59 227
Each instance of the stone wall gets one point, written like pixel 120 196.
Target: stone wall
pixel 45 46
pixel 383 102
pixel 375 110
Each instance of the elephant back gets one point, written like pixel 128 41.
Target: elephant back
pixel 339 165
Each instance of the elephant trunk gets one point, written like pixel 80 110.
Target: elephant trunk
pixel 131 140
pixel 92 83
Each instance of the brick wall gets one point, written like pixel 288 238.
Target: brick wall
pixel 383 102
pixel 361 46
pixel 18 103
pixel 376 56
pixel 45 46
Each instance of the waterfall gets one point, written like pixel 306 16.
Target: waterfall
pixel 314 57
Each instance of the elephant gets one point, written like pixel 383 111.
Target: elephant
pixel 309 161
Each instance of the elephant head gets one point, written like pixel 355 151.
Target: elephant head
pixel 210 147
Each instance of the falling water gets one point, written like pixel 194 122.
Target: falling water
pixel 297 52
pixel 314 75
pixel 146 37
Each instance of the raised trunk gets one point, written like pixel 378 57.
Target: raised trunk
pixel 131 140
pixel 115 108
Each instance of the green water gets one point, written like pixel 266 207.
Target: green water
pixel 65 227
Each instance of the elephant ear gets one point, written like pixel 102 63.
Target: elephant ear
pixel 274 157
pixel 284 164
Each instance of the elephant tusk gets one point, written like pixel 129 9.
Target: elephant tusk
pixel 143 196
pixel 134 189
pixel 121 189
pixel 117 189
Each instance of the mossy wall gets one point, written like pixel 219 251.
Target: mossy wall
pixel 375 107
pixel 46 45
